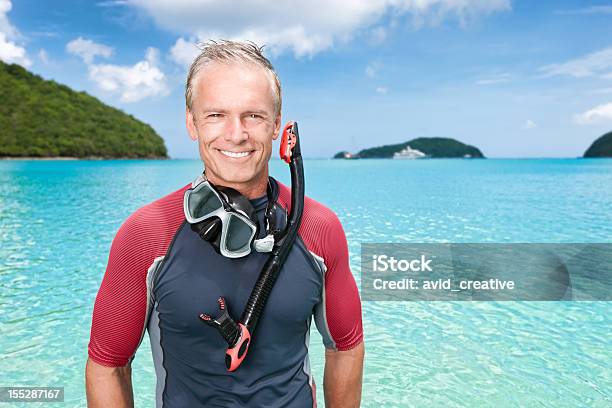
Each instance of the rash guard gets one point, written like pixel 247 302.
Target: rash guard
pixel 161 276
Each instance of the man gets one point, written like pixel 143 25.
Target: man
pixel 161 275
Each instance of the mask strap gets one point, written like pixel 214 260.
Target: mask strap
pixel 201 178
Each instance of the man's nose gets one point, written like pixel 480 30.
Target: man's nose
pixel 236 133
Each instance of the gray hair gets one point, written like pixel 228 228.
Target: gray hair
pixel 226 51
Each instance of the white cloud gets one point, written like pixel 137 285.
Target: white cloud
pixel 377 35
pixel 111 3
pixel 596 63
pixel 317 26
pixel 601 113
pixel 433 12
pixel 372 68
pixel 10 51
pixel 183 52
pixel 88 50
pixel 5 25
pixel 48 34
pixel 132 83
pixel 494 79
pixel 529 124
pixel 152 55
pixel 382 90
pixel 587 10
pixel 43 56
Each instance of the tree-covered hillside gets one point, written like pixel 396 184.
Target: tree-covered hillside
pixel 435 147
pixel 602 147
pixel 40 118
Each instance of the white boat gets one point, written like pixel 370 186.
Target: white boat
pixel 409 153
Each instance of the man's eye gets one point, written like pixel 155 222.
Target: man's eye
pixel 255 116
pixel 213 115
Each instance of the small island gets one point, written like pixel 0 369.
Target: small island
pixel 420 148
pixel 43 119
pixel 602 147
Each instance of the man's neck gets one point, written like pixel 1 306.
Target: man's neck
pixel 251 189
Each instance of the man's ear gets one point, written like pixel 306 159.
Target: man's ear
pixel 191 128
pixel 277 127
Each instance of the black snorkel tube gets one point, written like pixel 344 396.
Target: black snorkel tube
pixel 238 334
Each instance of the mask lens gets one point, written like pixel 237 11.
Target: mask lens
pixel 202 201
pixel 239 234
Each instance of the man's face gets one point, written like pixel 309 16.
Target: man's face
pixel 234 121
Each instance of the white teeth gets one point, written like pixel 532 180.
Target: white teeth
pixel 234 154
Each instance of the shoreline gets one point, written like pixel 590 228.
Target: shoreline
pixel 64 158
pixel 92 158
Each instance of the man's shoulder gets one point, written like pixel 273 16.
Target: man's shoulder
pixel 153 225
pixel 315 212
pixel 320 228
pixel 165 209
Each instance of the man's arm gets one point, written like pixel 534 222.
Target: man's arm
pixel 108 386
pixel 338 313
pixel 343 375
pixel 340 324
pixel 119 317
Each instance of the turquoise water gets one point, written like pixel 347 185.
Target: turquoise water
pixel 57 220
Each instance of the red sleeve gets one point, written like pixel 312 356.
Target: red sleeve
pixel 342 303
pixel 338 316
pixel 121 307
pixel 121 304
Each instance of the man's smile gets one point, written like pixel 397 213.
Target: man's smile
pixel 236 154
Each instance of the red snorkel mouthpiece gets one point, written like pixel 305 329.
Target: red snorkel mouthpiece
pixel 236 334
pixel 289 142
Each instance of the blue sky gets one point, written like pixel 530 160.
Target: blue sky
pixel 514 78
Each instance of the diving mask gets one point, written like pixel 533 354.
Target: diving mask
pixel 225 218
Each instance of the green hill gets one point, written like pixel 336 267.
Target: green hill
pixel 40 118
pixel 601 147
pixel 434 147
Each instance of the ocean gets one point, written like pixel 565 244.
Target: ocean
pixel 58 218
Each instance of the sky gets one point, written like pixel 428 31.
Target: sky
pixel 514 78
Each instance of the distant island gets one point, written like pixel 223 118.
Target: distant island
pixel 422 147
pixel 601 147
pixel 40 118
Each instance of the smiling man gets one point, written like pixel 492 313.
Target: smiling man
pixel 162 275
pixel 234 119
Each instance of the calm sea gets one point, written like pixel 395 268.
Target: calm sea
pixel 57 220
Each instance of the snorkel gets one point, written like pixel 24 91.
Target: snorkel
pixel 238 334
